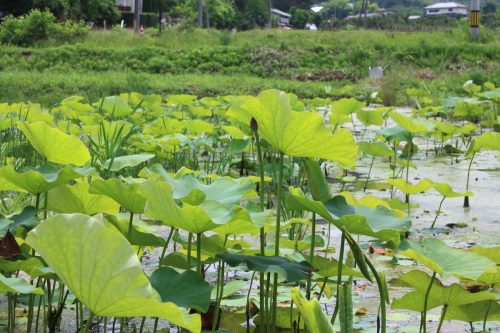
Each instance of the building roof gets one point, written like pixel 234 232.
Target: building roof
pixel 280 13
pixel 317 8
pixel 444 5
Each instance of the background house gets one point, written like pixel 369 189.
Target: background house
pixel 125 5
pixel 282 17
pixel 446 8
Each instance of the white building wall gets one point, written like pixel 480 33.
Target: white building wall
pixel 446 11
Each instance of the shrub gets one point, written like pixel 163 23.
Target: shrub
pixel 26 30
pixel 38 26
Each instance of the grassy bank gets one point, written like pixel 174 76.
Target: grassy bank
pixel 216 63
pixel 50 88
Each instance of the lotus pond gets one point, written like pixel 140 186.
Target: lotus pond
pixel 268 213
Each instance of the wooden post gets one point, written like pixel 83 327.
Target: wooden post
pixel 474 18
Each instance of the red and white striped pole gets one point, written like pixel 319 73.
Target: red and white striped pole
pixel 474 18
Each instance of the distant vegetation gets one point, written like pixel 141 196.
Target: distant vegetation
pixel 248 14
pixel 216 63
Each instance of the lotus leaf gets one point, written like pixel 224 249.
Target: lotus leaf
pixel 116 106
pixel 453 295
pixel 18 286
pixel 412 125
pixel 315 318
pixel 422 186
pixel 279 126
pixel 186 289
pixel 127 195
pixel 161 205
pixel 485 141
pixel 76 198
pixel 445 260
pixel 379 222
pixel 102 270
pixel 371 117
pixel 375 148
pixel 291 271
pixel 347 106
pixel 55 145
pixel 474 312
pixel 42 179
pixel 118 163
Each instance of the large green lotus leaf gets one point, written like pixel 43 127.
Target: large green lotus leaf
pixel 187 289
pixel 395 134
pixel 128 195
pixel 42 179
pixel 18 286
pixel 474 312
pixel 26 264
pixel 235 132
pixel 230 288
pixel 291 271
pixel 347 106
pixel 422 186
pixel 279 126
pixel 338 119
pixel 314 317
pixel 446 191
pixel 491 276
pixel 375 148
pixel 485 141
pixel 181 100
pixel 371 201
pixel 141 235
pixel 452 295
pixel 189 189
pixel 115 106
pixel 76 198
pixel 102 270
pixel 328 267
pixel 412 125
pixel 161 205
pixel 371 117
pixel 447 127
pixel 27 219
pixel 198 127
pixel 379 222
pixel 245 222
pixel 118 163
pixel 445 260
pixel 491 252
pixel 55 145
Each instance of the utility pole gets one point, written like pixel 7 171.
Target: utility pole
pixel 200 14
pixel 475 7
pixel 270 23
pixel 137 15
pixel 160 9
pixel 207 14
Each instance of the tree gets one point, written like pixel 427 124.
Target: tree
pixel 251 13
pixel 489 8
pixel 299 17
pixel 88 10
